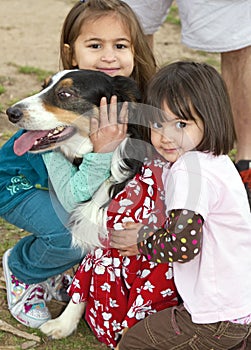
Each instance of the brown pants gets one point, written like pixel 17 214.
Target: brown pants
pixel 173 329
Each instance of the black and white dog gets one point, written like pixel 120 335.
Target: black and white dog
pixel 59 117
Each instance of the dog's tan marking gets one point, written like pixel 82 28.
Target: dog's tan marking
pixel 64 116
pixel 68 82
pixel 81 122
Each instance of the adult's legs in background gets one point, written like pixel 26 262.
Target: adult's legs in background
pixel 236 71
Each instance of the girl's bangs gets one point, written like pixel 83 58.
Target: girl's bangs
pixel 180 104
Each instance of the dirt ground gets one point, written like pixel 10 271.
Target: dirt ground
pixel 30 32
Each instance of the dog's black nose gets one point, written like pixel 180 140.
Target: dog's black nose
pixel 15 114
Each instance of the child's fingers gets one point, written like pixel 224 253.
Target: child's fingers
pixel 129 251
pixel 123 117
pixel 94 125
pixel 131 225
pixel 113 117
pixel 103 114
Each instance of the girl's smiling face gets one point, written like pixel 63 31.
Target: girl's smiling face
pixel 175 136
pixel 104 45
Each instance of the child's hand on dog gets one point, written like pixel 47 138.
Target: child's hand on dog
pixel 106 133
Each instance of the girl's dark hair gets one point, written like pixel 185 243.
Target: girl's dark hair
pixel 145 64
pixel 190 88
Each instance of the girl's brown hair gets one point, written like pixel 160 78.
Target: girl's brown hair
pixel 145 64
pixel 190 88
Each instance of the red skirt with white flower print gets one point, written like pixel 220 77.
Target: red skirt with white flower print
pixel 120 291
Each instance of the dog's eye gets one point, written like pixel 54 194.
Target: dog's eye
pixel 64 94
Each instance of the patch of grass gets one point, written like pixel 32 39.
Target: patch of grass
pixel 9 234
pixel 232 154
pixel 40 73
pixel 173 15
pixel 6 135
pixel 2 89
pixel 213 62
pixel 12 101
pixel 210 58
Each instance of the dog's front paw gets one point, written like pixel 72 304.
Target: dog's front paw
pixel 58 328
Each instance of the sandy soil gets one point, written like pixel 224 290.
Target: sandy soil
pixel 30 32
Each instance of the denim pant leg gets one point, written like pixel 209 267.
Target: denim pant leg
pixel 173 329
pixel 47 251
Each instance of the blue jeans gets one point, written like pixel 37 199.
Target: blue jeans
pixel 47 251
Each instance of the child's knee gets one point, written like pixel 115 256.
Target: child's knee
pixel 123 333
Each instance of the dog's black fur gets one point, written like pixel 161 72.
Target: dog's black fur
pixel 59 116
pixel 68 97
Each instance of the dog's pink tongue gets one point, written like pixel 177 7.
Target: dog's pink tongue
pixel 25 142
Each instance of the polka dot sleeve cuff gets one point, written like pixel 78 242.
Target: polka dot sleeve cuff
pixel 180 241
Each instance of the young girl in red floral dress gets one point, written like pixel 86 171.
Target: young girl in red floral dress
pixel 120 291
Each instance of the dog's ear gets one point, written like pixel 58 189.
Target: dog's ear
pixel 46 82
pixel 126 89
